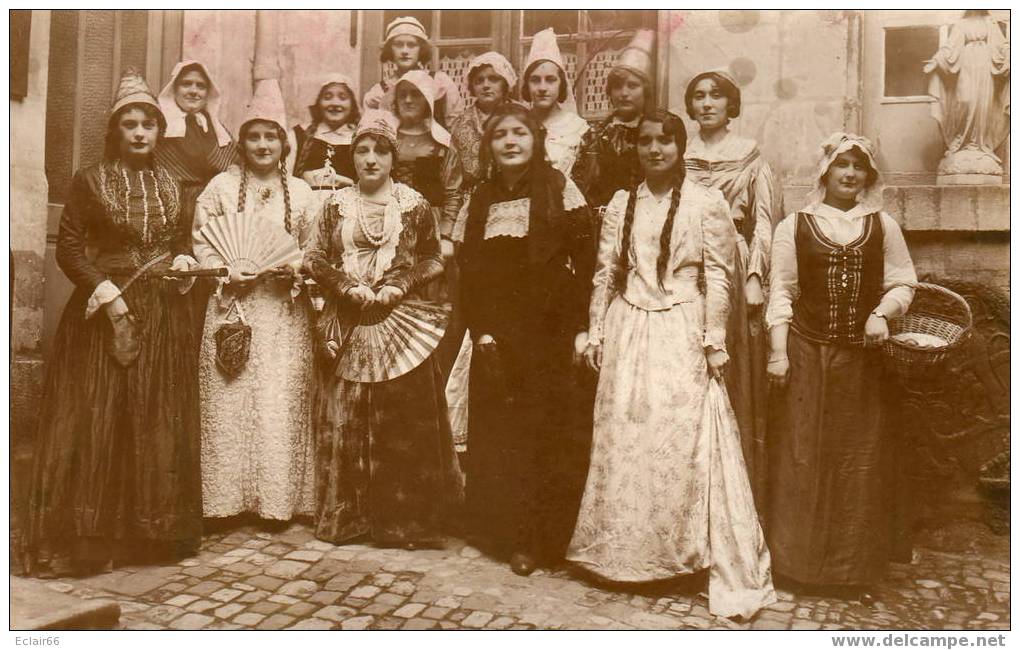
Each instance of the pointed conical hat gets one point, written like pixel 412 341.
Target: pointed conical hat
pixel 544 48
pixel 132 90
pixel 637 56
pixel 266 104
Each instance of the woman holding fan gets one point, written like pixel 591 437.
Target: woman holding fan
pixel 256 405
pixel 385 462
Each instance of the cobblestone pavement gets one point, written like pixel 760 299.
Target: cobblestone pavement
pixel 246 578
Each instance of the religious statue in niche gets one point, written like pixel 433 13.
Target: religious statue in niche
pixel 969 79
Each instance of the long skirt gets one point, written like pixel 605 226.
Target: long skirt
pixel 257 441
pixel 385 464
pixel 746 380
pixel 116 472
pixel 527 459
pixel 667 492
pixel 830 490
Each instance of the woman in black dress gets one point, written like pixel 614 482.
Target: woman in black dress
pixel 116 473
pixel 526 264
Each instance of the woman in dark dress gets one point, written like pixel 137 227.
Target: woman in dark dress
pixel 526 266
pixel 195 148
pixel 116 473
pixel 323 157
pixel 608 160
pixel 385 462
pixel 840 270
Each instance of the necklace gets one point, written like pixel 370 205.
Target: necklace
pixel 384 233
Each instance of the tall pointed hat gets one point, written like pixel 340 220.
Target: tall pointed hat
pixel 637 57
pixel 132 90
pixel 545 48
pixel 266 104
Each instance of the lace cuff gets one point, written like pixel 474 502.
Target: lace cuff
pixel 105 292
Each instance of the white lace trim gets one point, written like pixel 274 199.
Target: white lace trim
pixel 403 199
pixel 508 219
pixel 572 197
pixel 511 218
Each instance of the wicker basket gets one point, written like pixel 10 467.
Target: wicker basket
pixel 935 311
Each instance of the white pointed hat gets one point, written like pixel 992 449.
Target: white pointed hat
pixel 266 104
pixel 637 56
pixel 545 48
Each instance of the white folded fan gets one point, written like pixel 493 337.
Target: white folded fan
pixel 251 244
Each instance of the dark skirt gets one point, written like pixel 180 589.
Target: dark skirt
pixel 116 472
pixel 203 288
pixel 530 439
pixel 747 384
pixel 385 462
pixel 831 483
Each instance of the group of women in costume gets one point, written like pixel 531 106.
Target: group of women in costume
pixel 476 266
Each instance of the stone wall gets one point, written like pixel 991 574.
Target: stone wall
pixel 28 197
pixel 311 45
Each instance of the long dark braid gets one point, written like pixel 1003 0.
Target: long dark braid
pixel 666 238
pixel 672 125
pixel 623 264
pixel 286 197
pixel 242 190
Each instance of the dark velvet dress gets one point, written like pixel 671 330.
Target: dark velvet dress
pixel 385 462
pixel 526 279
pixel 607 161
pixel 195 159
pixel 116 473
pixel 313 153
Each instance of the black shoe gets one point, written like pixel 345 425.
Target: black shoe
pixel 522 564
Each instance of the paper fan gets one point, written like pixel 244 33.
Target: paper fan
pixel 249 243
pixel 380 344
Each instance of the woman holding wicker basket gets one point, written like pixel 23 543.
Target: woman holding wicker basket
pixel 840 271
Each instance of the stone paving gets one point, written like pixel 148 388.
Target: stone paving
pixel 249 579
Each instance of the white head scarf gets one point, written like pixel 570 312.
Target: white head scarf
pixel 840 142
pixel 499 65
pixel 175 127
pixel 426 85
pixel 329 79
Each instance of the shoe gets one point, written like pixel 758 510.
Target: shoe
pixel 866 598
pixel 522 564
pixel 411 546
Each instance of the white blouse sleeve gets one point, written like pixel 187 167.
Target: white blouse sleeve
pixel 899 271
pixel 785 288
pixel 604 288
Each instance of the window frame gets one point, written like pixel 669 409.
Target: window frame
pixel 943 30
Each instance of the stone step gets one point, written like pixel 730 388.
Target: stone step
pixel 34 606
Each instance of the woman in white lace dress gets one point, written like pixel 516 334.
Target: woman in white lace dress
pixel 667 492
pixel 257 445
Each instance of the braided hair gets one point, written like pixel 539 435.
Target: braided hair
pixel 674 126
pixel 242 192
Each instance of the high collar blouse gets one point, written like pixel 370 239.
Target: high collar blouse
pixel 703 240
pixel 841 228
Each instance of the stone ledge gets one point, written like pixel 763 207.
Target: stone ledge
pixel 974 208
pixel 35 606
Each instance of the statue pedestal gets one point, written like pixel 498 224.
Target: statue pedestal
pixel 969 167
pixel 969 179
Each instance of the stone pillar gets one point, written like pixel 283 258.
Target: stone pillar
pixel 28 234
